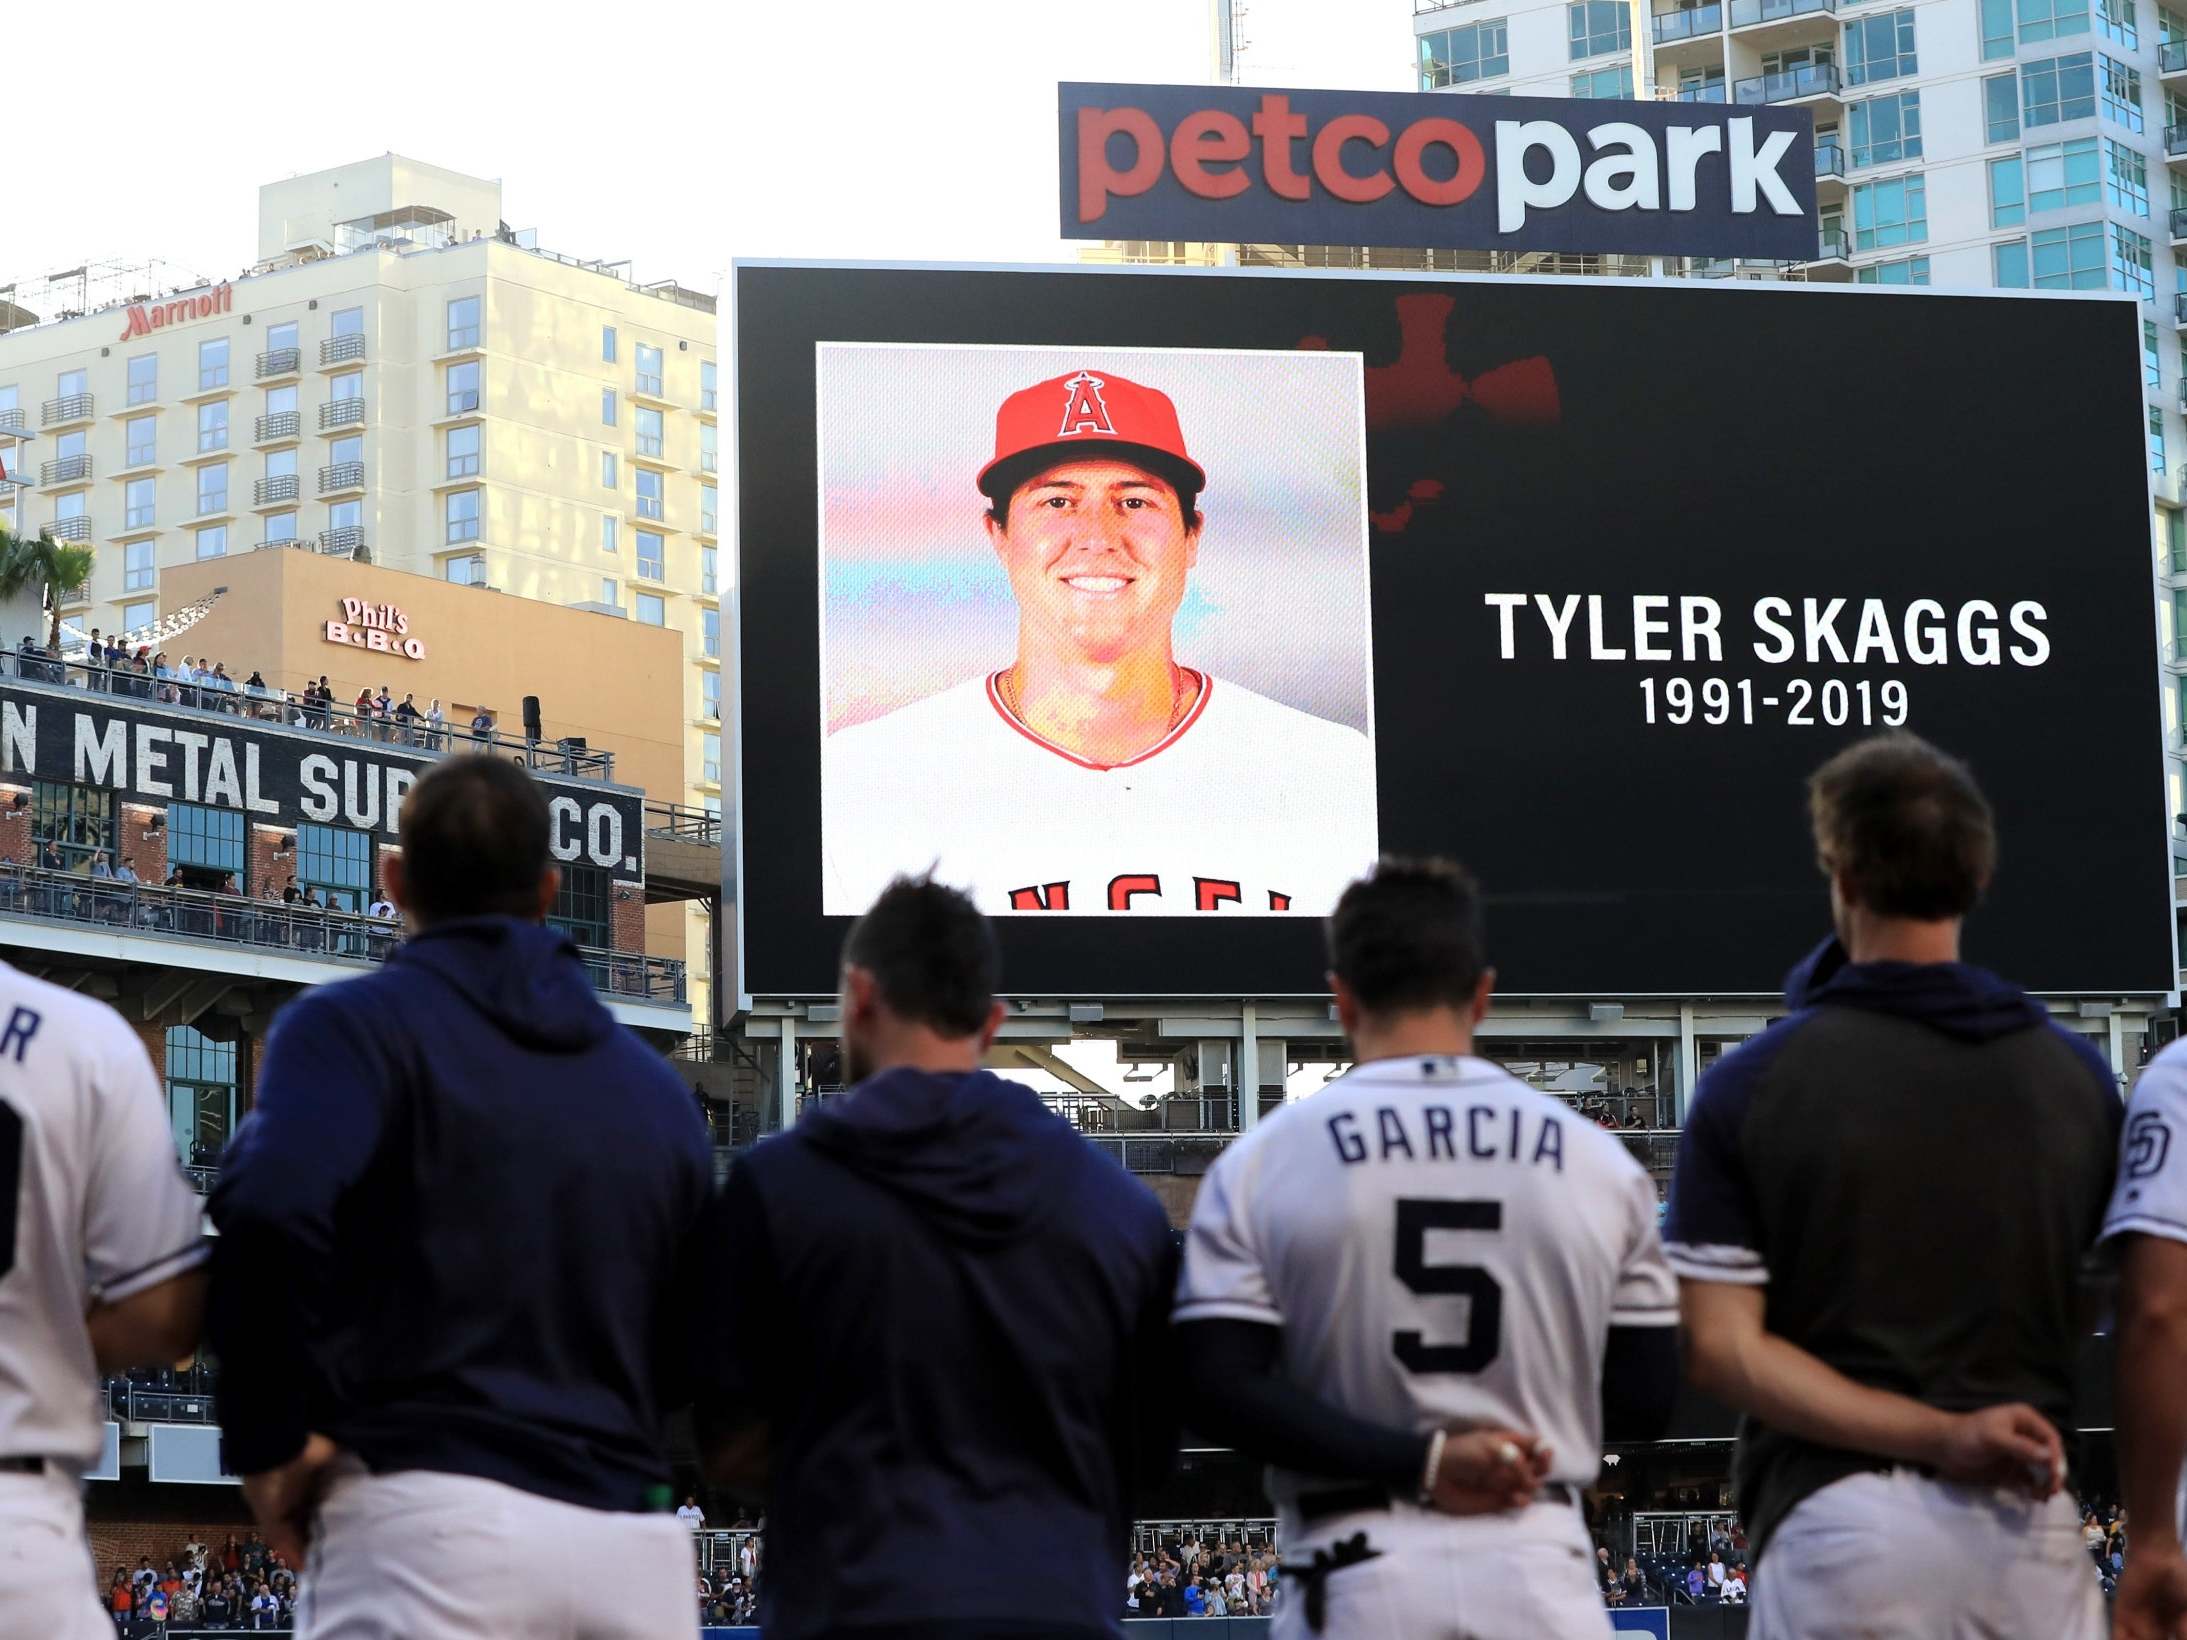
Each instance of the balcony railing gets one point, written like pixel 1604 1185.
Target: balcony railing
pixel 341 413
pixel 2175 141
pixel 184 914
pixel 60 412
pixel 283 487
pixel 65 470
pixel 1829 160
pixel 1808 80
pixel 343 475
pixel 1713 92
pixel 14 424
pixel 277 428
pixel 2179 308
pixel 2172 57
pixel 279 361
pixel 77 528
pixel 345 538
pixel 1687 25
pixel 681 823
pixel 1748 13
pixel 342 349
pixel 1835 246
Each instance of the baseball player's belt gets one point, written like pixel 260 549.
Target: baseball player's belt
pixel 22 1466
pixel 1363 1500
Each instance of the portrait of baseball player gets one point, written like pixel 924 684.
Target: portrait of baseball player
pixel 1064 728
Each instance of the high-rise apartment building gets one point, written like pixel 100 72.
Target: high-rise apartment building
pixel 398 376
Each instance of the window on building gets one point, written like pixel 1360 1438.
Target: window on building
pixel 348 321
pixel 281 463
pixel 652 609
pixel 460 513
pixel 143 378
pixel 343 452
pixel 652 438
pixel 707 516
pixel 2042 20
pixel 1907 270
pixel 462 323
pixel 1596 27
pixel 607 344
pixel 649 555
pixel 2121 93
pixel 607 407
pixel 2170 25
pixel 607 532
pixel 1882 47
pixel 710 632
pixel 707 394
pixel 709 460
pixel 2152 356
pixel 2055 89
pixel 710 694
pixel 2068 258
pixel 608 477
pixel 207 839
pixel 649 371
pixel 281 526
pixel 212 488
pixel 212 364
pixel 2175 543
pixel 337 861
pixel 342 389
pixel 2126 177
pixel 710 758
pixel 211 541
pixel 1997 28
pixel 2156 442
pixel 281 401
pixel 707 557
pixel 649 492
pixel 2008 193
pixel 75 504
pixel 282 335
pixel 201 1084
pixel 140 507
pixel 1604 82
pixel 1886 130
pixel 2062 174
pixel 2001 107
pixel 141 434
pixel 345 515
pixel 2133 263
pixel 2115 21
pixel 136 616
pixel 463 451
pixel 72 823
pixel 463 387
pixel 581 905
pixel 212 426
pixel 607 590
pixel 1459 56
pixel 466 571
pixel 1892 212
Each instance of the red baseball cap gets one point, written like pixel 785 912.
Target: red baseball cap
pixel 1088 413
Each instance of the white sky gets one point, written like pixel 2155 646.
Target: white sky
pixel 712 131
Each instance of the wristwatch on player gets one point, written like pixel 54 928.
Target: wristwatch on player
pixel 1436 1439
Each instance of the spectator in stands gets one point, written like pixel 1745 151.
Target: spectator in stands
pixel 121 1596
pixel 231 1555
pixel 407 717
pixel 362 707
pixel 1697 1582
pixel 2092 1532
pixel 482 725
pixel 898 1222
pixel 383 712
pixel 1635 1581
pixel 1735 1587
pixel 1211 1594
pixel 436 726
pixel 182 1606
pixel 144 1579
pixel 690 1513
pixel 1715 1574
pixel 217 1610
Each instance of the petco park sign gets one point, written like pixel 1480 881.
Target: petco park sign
pixel 146 317
pixel 1233 164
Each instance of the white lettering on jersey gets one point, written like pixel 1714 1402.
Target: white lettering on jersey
pixel 1247 807
pixel 1439 1242
pixel 2150 1195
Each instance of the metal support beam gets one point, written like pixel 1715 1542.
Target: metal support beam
pixel 1248 1077
pixel 786 1077
pixel 163 991
pixel 1688 1061
pixel 201 998
pixel 1042 1058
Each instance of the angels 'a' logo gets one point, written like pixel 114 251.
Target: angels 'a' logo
pixel 1085 412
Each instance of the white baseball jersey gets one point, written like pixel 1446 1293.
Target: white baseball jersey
pixel 98 1208
pixel 1245 807
pixel 2150 1197
pixel 1439 1243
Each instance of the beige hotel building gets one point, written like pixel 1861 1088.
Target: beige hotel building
pixel 397 378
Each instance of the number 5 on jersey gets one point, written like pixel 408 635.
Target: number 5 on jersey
pixel 1416 1216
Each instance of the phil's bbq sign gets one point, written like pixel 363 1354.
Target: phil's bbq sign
pixel 1232 163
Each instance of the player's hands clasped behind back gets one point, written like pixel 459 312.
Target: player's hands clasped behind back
pixel 2011 1445
pixel 1486 1470
pixel 2152 1600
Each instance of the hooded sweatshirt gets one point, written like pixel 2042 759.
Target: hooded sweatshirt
pixel 951 1312
pixel 1914 1161
pixel 451 1228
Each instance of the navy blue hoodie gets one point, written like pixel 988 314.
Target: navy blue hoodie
pixel 952 1313
pixel 1914 1161
pixel 451 1229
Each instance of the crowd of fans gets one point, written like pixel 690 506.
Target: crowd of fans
pixel 1196 1579
pixel 2103 1533
pixel 242 1585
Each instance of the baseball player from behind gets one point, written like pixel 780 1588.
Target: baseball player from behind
pixel 1427 1291
pixel 101 1248
pixel 1089 775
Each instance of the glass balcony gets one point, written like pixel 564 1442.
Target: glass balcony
pixel 1836 245
pixel 1788 85
pixel 2179 308
pixel 67 470
pixel 63 412
pixel 1714 92
pixel 1752 13
pixel 342 349
pixel 343 475
pixel 1673 26
pixel 281 361
pixel 2171 59
pixel 284 487
pixel 2175 142
pixel 1829 160
pixel 279 428
pixel 341 413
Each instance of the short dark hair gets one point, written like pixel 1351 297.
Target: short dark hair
pixel 930 952
pixel 1002 484
pixel 1408 935
pixel 474 840
pixel 1905 826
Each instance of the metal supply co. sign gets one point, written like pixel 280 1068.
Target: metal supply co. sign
pixel 1239 164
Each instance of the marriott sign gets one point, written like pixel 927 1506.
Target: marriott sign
pixel 146 317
